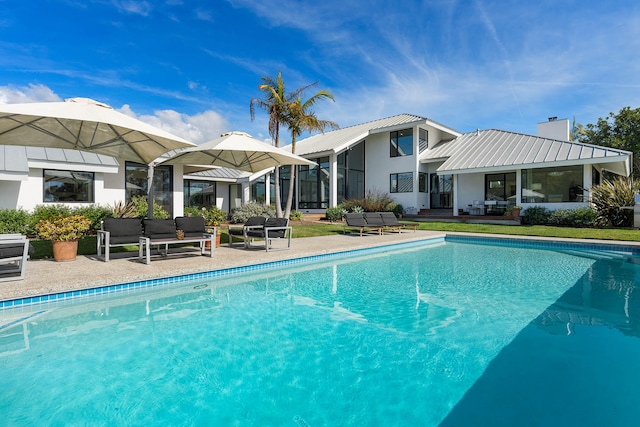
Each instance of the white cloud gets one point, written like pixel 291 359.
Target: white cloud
pixel 198 128
pixel 132 6
pixel 12 94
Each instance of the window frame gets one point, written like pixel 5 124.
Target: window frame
pixel 396 188
pixel 396 146
pixel 91 194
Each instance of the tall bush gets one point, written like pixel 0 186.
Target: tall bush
pixel 336 213
pixel 373 201
pixel 95 214
pixel 142 208
pixel 609 199
pixel 14 221
pixel 241 214
pixel 536 215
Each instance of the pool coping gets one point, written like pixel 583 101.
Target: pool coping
pixel 476 238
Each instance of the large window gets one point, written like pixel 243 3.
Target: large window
pixel 136 184
pixel 68 186
pixel 552 185
pixel 259 190
pixel 422 182
pixel 401 182
pixel 199 194
pixel 500 186
pixel 401 143
pixel 351 173
pixel 314 185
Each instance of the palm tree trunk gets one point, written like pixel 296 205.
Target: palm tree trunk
pixel 287 211
pixel 277 191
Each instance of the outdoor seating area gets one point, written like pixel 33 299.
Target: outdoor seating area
pixel 238 230
pixel 273 229
pixel 489 207
pixel 376 222
pixel 146 233
pixel 14 252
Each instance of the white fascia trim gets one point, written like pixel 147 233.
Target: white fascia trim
pixel 13 176
pixel 80 167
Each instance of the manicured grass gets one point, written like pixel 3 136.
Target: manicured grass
pixel 87 245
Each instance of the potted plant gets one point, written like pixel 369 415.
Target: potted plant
pixel 64 232
pixel 515 211
pixel 213 217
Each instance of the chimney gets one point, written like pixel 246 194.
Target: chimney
pixel 554 129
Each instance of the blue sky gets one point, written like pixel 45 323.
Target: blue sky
pixel 192 66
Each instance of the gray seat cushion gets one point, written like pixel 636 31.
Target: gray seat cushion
pixel 160 228
pixel 193 226
pixel 123 230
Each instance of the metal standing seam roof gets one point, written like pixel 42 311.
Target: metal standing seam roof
pixel 15 158
pixel 497 149
pixel 341 139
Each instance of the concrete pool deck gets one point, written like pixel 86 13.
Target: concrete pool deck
pixel 43 277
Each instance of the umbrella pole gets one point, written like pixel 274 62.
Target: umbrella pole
pixel 150 191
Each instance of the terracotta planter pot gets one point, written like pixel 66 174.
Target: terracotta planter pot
pixel 64 250
pixel 207 244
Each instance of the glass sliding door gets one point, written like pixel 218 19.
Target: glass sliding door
pixel 441 191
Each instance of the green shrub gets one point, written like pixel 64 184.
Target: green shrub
pixel 241 214
pixel 536 215
pixel 14 221
pixel 335 214
pixel 295 215
pixel 397 209
pixel 610 197
pixel 142 208
pixel 373 201
pixel 580 217
pixel 95 214
pixel 357 209
pixel 46 212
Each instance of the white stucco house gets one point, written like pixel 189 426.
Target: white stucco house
pixel 423 164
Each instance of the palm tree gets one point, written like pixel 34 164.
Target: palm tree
pixel 276 104
pixel 301 118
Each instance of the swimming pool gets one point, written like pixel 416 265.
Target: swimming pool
pixel 444 333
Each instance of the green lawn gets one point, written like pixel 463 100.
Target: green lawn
pixel 87 245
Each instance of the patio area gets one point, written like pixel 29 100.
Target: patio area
pixel 44 277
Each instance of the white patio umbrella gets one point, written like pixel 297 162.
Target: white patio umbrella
pixel 86 125
pixel 237 150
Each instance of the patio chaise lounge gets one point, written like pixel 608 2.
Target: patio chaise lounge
pixel 239 230
pixel 14 251
pixel 273 229
pixel 358 221
pixel 391 222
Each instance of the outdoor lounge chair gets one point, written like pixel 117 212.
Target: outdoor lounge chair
pixel 391 222
pixel 118 232
pixel 274 228
pixel 238 230
pixel 357 221
pixel 14 251
pixel 164 232
pixel 373 219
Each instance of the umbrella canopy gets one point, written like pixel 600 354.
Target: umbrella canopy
pixel 237 150
pixel 87 125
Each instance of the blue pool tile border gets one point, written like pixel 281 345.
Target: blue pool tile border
pixel 545 244
pixel 151 283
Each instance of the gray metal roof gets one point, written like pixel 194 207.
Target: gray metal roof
pixel 339 140
pixel 16 158
pixel 223 174
pixel 499 150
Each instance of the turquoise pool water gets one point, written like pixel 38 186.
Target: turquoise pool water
pixel 440 334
